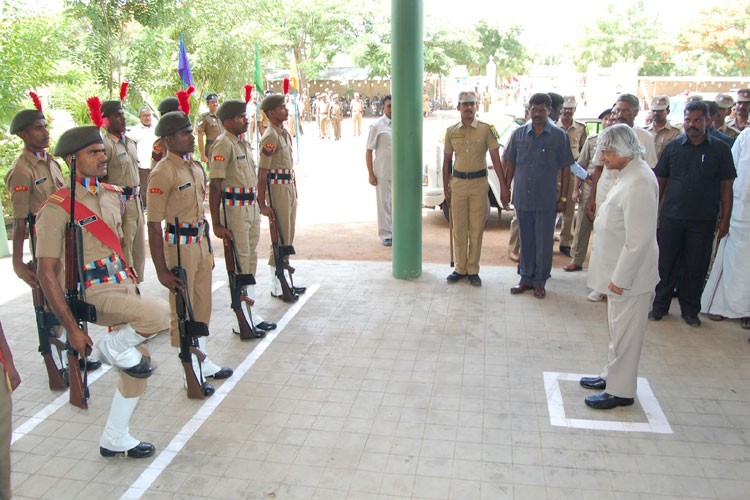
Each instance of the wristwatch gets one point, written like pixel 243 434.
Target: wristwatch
pixel 563 199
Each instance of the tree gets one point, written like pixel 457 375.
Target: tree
pixel 504 48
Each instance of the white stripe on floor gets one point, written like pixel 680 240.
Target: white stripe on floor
pixel 139 487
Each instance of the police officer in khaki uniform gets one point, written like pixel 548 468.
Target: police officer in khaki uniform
pixel 234 184
pixel 725 102
pixel 337 114
pixel 324 112
pixel 660 128
pixel 277 189
pixel 177 188
pixel 466 187
pixel 209 127
pixel 110 285
pixel 577 134
pixel 357 107
pixel 739 122
pixel 122 171
pixel 157 152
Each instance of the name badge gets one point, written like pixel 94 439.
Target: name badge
pixel 241 157
pixel 184 186
pixel 88 220
pixel 124 153
pixel 40 181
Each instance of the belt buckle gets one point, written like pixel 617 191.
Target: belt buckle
pixel 114 267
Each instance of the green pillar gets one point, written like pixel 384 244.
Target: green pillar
pixel 407 74
pixel 3 235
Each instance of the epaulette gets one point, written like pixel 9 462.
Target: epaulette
pixel 111 187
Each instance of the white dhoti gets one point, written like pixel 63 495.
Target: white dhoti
pixel 727 292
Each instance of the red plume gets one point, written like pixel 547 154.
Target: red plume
pixel 37 102
pixel 95 111
pixel 190 90
pixel 123 91
pixel 248 93
pixel 183 97
pixel 285 86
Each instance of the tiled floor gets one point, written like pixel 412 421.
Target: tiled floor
pixel 378 388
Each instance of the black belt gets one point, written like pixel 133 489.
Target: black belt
pixel 470 175
pixel 279 177
pixel 239 196
pixel 130 190
pixel 184 231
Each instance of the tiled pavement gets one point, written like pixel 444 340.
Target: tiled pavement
pixel 378 388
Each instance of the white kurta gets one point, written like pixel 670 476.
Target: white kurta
pixel 727 291
pixel 379 140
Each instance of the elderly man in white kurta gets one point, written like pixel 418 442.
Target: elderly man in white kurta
pixel 625 256
pixel 378 159
pixel 727 293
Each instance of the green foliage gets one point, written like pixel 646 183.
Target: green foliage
pixel 10 148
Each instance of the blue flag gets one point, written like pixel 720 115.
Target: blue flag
pixel 183 66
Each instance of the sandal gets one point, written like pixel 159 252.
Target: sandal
pixel 716 317
pixel 745 322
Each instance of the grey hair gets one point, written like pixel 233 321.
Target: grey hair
pixel 143 108
pixel 630 98
pixel 621 140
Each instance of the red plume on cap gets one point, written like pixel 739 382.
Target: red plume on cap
pixel 37 102
pixel 285 86
pixel 248 93
pixel 95 111
pixel 184 99
pixel 123 91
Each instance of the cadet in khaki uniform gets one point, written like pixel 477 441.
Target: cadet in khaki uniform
pixel 725 102
pixel 277 189
pixel 177 188
pixel 157 152
pixel 466 187
pixel 741 111
pixel 577 134
pixel 122 171
pixel 110 285
pixel 337 114
pixel 208 127
pixel 234 183
pixel 660 128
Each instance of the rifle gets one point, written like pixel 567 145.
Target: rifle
pixel 190 329
pixel 237 284
pixel 75 295
pixel 279 252
pixel 45 322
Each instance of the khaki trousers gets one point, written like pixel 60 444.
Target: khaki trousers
pixel 283 199
pixel 244 222
pixel 336 122
pixel 134 238
pixel 627 319
pixel 6 428
pixel 583 228
pixel 357 119
pixel 469 211
pixel 566 232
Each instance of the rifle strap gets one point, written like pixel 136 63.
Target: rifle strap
pixel 90 221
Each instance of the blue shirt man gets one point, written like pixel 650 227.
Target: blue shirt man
pixel 535 154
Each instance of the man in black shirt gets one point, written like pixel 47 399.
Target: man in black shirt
pixel 695 174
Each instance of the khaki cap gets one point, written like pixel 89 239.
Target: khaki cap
pixel 467 97
pixel 743 95
pixel 725 101
pixel 659 103
pixel 570 101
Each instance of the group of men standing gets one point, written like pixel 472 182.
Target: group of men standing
pixel 109 212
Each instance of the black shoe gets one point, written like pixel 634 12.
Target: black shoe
pixel 208 389
pixel 693 321
pixel 454 277
pixel 299 290
pixel 91 364
pixel 604 401
pixel 266 325
pixel 388 242
pixel 565 250
pixel 475 280
pixel 141 450
pixel 655 315
pixel 141 370
pixel 221 374
pixel 596 383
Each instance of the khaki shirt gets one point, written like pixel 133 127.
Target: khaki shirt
pixel 729 130
pixel 586 159
pixel 52 219
pixel 337 112
pixel 356 106
pixel 232 160
pixel 30 181
pixel 157 151
pixel 276 149
pixel 663 136
pixel 210 125
pixel 470 145
pixel 176 188
pixel 323 108
pixel 122 161
pixel 577 134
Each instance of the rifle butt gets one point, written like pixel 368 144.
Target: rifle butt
pixel 246 331
pixel 78 396
pixel 194 389
pixel 55 375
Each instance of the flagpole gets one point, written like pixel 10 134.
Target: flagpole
pixel 296 123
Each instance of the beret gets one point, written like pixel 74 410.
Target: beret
pixel 272 101
pixel 231 109
pixel 109 107
pixel 75 139
pixel 171 123
pixel 25 118
pixel 604 113
pixel 167 105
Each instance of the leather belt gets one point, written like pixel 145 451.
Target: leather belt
pixel 470 175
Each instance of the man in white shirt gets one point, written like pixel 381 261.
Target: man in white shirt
pixel 144 137
pixel 378 159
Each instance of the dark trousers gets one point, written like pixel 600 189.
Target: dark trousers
pixel 684 253
pixel 536 232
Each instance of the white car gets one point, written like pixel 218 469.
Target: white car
pixel 432 178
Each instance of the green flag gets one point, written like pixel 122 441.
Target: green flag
pixel 258 76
